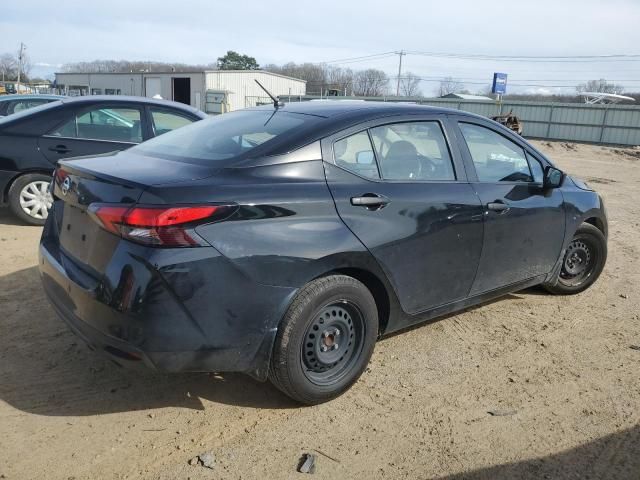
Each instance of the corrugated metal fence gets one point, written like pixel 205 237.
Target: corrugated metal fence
pixel 609 124
pixel 605 124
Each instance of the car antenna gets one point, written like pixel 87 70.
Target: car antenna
pixel 276 101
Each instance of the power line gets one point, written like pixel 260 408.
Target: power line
pixel 361 59
pixel 610 58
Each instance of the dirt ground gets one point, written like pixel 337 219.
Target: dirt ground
pixel 562 370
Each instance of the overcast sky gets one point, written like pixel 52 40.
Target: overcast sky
pixel 275 31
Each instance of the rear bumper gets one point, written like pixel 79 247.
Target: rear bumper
pixel 174 310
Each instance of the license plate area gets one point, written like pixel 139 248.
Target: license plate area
pixel 84 240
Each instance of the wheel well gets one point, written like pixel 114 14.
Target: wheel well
pixel 5 194
pixel 377 289
pixel 596 222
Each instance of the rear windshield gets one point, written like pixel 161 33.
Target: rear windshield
pixel 224 137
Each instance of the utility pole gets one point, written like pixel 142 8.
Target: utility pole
pixel 20 55
pixel 400 53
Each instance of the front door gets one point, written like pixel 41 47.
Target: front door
pixel 402 191
pixel 523 223
pixel 94 130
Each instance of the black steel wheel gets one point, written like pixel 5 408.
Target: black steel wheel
pixel 333 342
pixel 325 340
pixel 583 261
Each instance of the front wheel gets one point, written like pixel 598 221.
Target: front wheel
pixel 29 198
pixel 583 261
pixel 325 340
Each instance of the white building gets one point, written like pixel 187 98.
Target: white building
pixel 213 91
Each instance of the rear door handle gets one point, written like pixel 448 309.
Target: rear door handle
pixel 60 149
pixel 498 206
pixel 370 200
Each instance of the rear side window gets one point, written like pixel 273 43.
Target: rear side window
pixel 355 154
pixel 413 151
pixel 26 105
pixel 496 158
pixel 112 124
pixel 164 121
pixel 225 136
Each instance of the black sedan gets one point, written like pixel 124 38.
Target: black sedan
pixel 32 141
pixel 282 242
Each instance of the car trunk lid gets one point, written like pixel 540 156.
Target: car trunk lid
pixel 111 179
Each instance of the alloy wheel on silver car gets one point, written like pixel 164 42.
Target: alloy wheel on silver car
pixel 35 199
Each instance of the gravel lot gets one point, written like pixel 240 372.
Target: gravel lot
pixel 560 372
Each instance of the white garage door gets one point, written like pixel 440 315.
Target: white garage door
pixel 152 87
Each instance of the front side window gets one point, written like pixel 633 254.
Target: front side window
pixel 165 121
pixel 496 158
pixel 355 154
pixel 536 168
pixel 112 124
pixel 413 151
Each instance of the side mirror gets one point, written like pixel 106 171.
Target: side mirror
pixel 365 157
pixel 553 177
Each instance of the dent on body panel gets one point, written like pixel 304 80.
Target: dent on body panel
pixel 286 221
pixel 276 244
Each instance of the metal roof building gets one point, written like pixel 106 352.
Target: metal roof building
pixel 213 91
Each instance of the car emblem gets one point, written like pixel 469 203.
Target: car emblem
pixel 66 185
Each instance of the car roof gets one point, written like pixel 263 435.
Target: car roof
pixel 30 96
pixel 332 108
pixel 32 118
pixel 89 99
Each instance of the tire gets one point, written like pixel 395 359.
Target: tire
pixel 582 263
pixel 29 188
pixel 325 340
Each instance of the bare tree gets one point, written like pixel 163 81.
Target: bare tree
pixel 449 85
pixel 340 79
pixel 315 75
pixel 126 66
pixel 410 85
pixel 370 83
pixel 8 67
pixel 600 86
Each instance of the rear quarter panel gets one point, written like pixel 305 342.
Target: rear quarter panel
pixel 285 231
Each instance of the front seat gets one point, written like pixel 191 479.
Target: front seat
pixel 401 162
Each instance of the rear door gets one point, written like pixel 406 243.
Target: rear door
pixel 523 223
pixel 94 130
pixel 401 188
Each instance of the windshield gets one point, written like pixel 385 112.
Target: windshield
pixel 225 136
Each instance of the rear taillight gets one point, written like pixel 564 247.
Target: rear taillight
pixel 60 175
pixel 164 226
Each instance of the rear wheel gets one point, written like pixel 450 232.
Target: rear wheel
pixel 325 340
pixel 29 198
pixel 583 261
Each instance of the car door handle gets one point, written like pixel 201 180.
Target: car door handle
pixel 498 206
pixel 370 200
pixel 60 149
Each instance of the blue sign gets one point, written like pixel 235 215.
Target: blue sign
pixel 499 83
